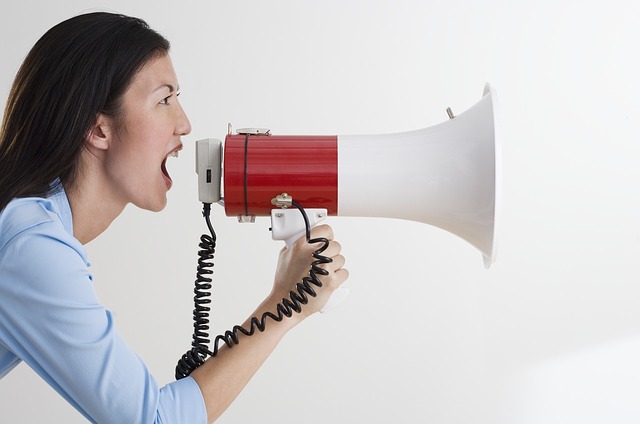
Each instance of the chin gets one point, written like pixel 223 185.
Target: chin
pixel 159 207
pixel 153 205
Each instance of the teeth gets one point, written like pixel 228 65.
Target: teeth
pixel 174 154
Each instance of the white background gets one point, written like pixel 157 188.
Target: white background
pixel 550 334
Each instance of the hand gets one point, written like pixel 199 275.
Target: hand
pixel 295 262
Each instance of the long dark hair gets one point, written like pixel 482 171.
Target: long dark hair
pixel 77 70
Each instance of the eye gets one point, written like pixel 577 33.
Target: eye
pixel 165 101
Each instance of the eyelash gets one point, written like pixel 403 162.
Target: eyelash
pixel 165 101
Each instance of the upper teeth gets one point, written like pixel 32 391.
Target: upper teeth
pixel 174 154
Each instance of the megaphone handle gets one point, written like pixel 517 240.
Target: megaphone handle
pixel 288 225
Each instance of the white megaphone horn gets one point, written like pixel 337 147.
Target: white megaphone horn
pixel 447 175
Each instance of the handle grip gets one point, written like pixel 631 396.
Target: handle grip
pixel 288 225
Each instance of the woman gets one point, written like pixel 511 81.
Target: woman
pixel 90 121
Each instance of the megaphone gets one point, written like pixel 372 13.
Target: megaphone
pixel 447 175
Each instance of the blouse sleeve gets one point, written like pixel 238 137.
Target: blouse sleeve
pixel 50 317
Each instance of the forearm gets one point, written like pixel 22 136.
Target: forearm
pixel 223 377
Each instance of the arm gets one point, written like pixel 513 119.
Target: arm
pixel 222 378
pixel 51 319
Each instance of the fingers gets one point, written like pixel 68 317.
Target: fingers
pixel 336 273
pixel 340 276
pixel 298 260
pixel 322 231
pixel 335 269
pixel 333 249
pixel 338 262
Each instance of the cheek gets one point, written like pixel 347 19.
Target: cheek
pixel 142 146
pixel 127 158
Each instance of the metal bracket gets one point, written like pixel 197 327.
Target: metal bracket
pixel 254 131
pixel 282 201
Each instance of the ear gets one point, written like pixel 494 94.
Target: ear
pixel 100 134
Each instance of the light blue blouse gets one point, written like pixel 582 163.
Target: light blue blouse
pixel 51 319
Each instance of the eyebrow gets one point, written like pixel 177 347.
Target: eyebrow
pixel 169 86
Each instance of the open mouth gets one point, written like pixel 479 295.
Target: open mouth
pixel 163 167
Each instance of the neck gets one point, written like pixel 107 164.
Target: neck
pixel 91 217
pixel 92 207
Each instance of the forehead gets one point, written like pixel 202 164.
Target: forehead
pixel 158 72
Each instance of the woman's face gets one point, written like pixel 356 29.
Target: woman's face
pixel 148 134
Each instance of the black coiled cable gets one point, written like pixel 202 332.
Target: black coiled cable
pixel 201 299
pixel 297 298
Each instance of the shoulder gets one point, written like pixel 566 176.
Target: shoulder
pixel 34 216
pixel 38 251
pixel 21 215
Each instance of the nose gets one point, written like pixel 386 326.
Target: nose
pixel 183 126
